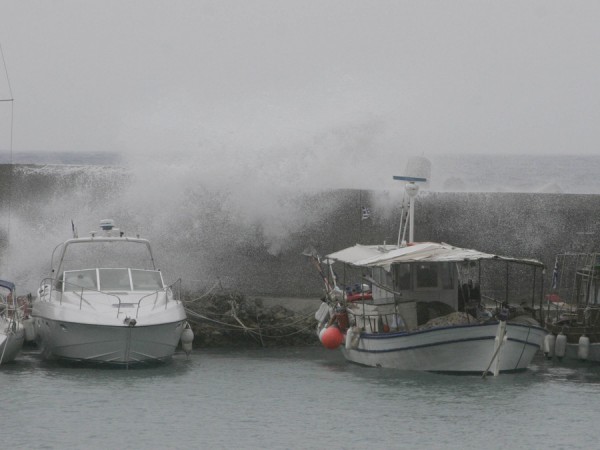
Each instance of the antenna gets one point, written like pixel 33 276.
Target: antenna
pixel 10 100
pixel 412 189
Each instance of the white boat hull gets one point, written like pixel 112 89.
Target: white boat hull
pixel 99 331
pixel 91 343
pixel 111 313
pixel 466 349
pixel 11 344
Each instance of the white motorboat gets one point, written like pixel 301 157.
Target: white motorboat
pixel 12 333
pixel 105 302
pixel 572 312
pixel 427 307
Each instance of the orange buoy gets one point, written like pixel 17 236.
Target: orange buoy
pixel 331 337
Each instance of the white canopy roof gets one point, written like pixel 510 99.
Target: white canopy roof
pixel 377 256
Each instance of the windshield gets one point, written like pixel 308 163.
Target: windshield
pixel 79 255
pixel 81 279
pixel 109 279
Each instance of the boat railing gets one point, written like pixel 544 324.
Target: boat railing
pixel 58 287
pixel 81 290
pixel 172 288
pixel 48 284
pixel 378 322
pixel 491 300
pixel 12 312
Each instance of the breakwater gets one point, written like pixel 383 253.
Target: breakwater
pixel 522 225
pixel 202 236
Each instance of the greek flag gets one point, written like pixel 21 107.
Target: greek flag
pixel 555 275
pixel 74 229
pixel 366 213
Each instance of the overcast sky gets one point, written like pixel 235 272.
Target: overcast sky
pixel 418 77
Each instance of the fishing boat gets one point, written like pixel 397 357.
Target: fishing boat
pixel 430 306
pixel 572 312
pixel 12 332
pixel 105 302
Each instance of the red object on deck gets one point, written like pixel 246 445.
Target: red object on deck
pixel 359 296
pixel 554 298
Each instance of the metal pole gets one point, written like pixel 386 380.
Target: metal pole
pixel 533 293
pixel 359 215
pixel 411 219
pixel 506 289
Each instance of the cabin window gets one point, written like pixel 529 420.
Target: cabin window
pixel 146 280
pixel 588 294
pixel 76 280
pixel 446 275
pixel 114 280
pixel 402 275
pixel 382 277
pixel 427 275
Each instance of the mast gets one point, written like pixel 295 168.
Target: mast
pixel 10 101
pixel 412 189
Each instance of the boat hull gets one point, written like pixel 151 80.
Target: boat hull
pixel 462 349
pixel 11 344
pixel 120 345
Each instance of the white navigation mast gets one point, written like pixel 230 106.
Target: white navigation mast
pixel 412 189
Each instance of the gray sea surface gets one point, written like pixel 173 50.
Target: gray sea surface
pixel 291 398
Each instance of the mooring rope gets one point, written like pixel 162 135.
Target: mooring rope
pixel 217 283
pixel 228 314
pixel 250 330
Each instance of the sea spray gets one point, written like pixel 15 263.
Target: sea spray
pixel 248 230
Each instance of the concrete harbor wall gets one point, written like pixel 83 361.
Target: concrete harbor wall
pixel 272 282
pixel 512 224
pixel 204 245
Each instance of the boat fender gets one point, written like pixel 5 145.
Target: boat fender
pixel 331 337
pixel 187 339
pixel 561 345
pixel 355 337
pixel 583 349
pixel 349 336
pixel 549 342
pixel 322 313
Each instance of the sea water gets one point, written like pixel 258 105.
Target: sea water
pixel 305 397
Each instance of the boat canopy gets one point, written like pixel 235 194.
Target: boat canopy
pixel 359 252
pixel 383 256
pixel 7 284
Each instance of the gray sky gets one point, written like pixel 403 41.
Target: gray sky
pixel 301 77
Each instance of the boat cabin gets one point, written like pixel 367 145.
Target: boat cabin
pixel 416 281
pixel 588 284
pixel 412 285
pixel 413 293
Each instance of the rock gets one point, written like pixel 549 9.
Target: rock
pixel 215 321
